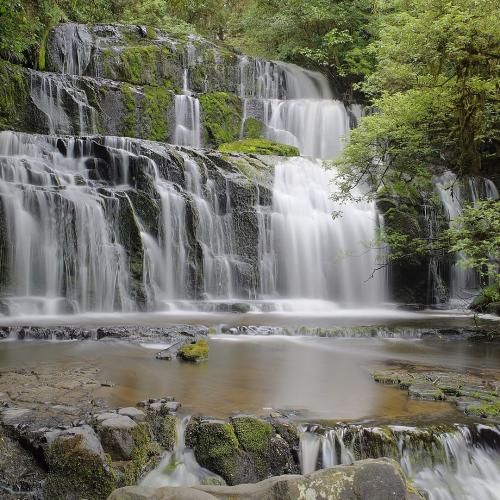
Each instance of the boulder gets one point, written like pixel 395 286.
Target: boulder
pixel 117 435
pixel 134 413
pixel 78 467
pixel 380 479
pixel 244 450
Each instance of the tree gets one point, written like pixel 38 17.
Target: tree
pixel 433 92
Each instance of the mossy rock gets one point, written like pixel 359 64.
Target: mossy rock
pixel 253 128
pixel 76 472
pixel 195 353
pixel 145 456
pixel 216 448
pixel 168 436
pixel 488 300
pixel 221 115
pixel 14 97
pixel 254 436
pixel 486 410
pixel 259 147
pixel 142 65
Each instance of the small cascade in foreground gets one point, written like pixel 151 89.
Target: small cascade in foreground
pixel 454 194
pixel 461 463
pixel 179 467
pixel 314 255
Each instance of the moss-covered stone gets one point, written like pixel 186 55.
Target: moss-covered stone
pixel 130 236
pixel 221 117
pixel 128 125
pixel 260 147
pixel 194 353
pixel 254 435
pixel 168 432
pixel 158 101
pixel 14 96
pixel 489 409
pixel 76 472
pixel 217 449
pixel 488 300
pixel 253 128
pixel 144 456
pixel 142 65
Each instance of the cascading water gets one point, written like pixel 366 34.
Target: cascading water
pixel 454 194
pixel 298 106
pixel 187 108
pixel 50 92
pixel 446 465
pixel 63 253
pixel 179 468
pixel 314 253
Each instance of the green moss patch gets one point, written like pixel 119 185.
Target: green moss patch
pixel 77 473
pixel 217 449
pixel 158 100
pixel 253 128
pixel 260 147
pixel 485 410
pixel 221 115
pixel 144 457
pixel 14 93
pixel 194 352
pixel 255 436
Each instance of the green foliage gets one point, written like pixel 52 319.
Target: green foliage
pixel 157 13
pixel 14 93
pixel 194 352
pixel 259 147
pixel 433 94
pixel 486 410
pixel 328 34
pixel 475 234
pixel 24 24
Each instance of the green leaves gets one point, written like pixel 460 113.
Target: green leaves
pixel 475 234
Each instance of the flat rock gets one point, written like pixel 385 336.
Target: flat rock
pixel 90 441
pixel 423 391
pixel 134 413
pixel 14 416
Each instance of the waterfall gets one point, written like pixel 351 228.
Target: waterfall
pixel 63 248
pixel 187 108
pixel 299 108
pixel 316 256
pixel 446 465
pixel 58 98
pixel 454 193
pixel 187 121
pixel 179 467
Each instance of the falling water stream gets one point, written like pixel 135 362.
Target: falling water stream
pixel 447 465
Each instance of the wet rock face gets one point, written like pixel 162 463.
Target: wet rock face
pixel 366 480
pixel 141 57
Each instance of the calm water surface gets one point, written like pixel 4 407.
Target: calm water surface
pixel 325 378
